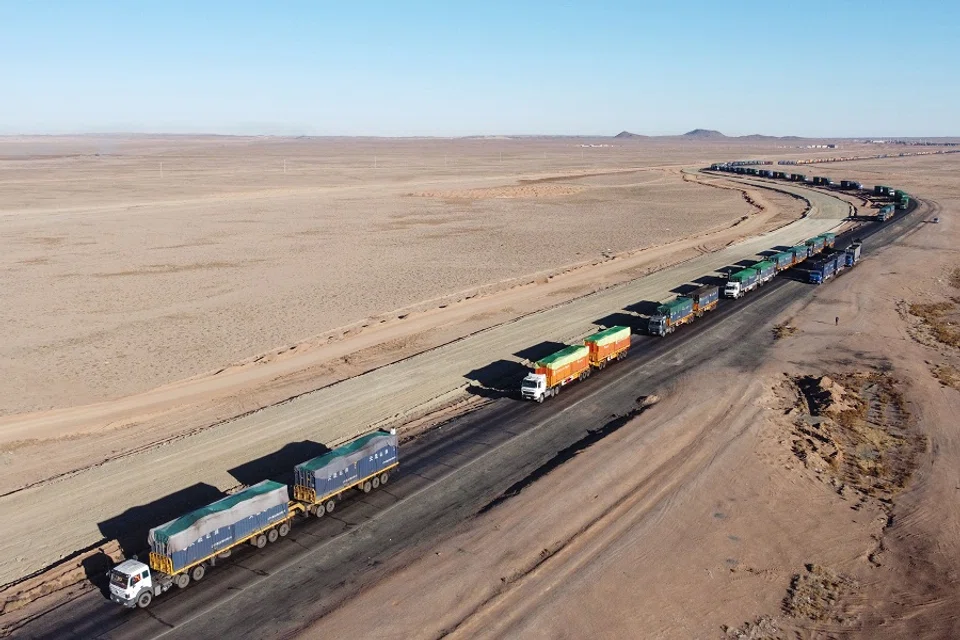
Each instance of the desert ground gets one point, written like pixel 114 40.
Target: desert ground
pixel 142 308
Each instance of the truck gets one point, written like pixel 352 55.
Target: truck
pixel 741 282
pixel 783 260
pixel 880 190
pixel 798 177
pixel 555 371
pixel 850 184
pixel 829 239
pixel 852 253
pixel 903 202
pixel 886 212
pixel 821 269
pixel 800 253
pixel 181 550
pixel 671 315
pixel 766 270
pixel 608 345
pixel 705 298
pixel 364 463
pixel 816 245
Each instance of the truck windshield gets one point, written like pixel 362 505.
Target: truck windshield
pixel 530 384
pixel 119 579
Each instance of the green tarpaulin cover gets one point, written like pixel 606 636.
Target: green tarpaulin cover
pixel 613 334
pixel 563 357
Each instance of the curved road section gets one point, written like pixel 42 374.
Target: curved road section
pixel 50 521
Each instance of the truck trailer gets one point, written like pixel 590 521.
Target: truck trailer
pixel 829 239
pixel 800 253
pixel 782 260
pixel 364 463
pixel 816 245
pixel 741 282
pixel 704 299
pixel 555 371
pixel 766 270
pixel 608 345
pixel 181 550
pixel 671 315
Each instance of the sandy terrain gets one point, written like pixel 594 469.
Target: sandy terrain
pixel 736 508
pixel 289 234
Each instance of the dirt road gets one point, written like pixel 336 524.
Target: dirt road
pixel 59 517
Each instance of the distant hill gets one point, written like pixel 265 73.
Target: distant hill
pixel 627 134
pixel 704 134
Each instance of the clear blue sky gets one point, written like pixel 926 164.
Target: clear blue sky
pixel 481 67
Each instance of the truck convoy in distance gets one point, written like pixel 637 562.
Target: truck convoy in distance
pixel 573 363
pixel 184 548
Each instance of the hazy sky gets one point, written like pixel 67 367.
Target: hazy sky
pixel 481 67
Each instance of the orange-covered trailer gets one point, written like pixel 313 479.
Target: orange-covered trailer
pixel 609 344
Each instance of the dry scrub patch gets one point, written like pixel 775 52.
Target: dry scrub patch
pixel 939 321
pixel 783 330
pixel 763 628
pixel 816 594
pixel 854 432
pixel 947 374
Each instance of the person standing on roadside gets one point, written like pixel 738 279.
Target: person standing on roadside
pixel 836 321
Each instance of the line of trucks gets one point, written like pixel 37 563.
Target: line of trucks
pixel 901 199
pixel 182 550
pixel 572 363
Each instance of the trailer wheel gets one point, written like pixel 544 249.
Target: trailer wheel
pixel 260 541
pixel 367 487
pixel 319 511
pixel 272 536
pixel 144 599
pixel 224 554
pixel 375 481
pixel 384 478
pixel 198 572
pixel 182 580
pixel 329 507
pixel 283 529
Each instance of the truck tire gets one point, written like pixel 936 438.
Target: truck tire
pixel 272 536
pixel 198 572
pixel 366 487
pixel 384 478
pixel 320 511
pixel 329 507
pixel 260 541
pixel 224 555
pixel 144 599
pixel 283 529
pixel 540 399
pixel 375 481
pixel 182 580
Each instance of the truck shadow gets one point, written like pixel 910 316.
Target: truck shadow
pixel 95 567
pixel 644 308
pixel 538 351
pixel 635 323
pixel 716 281
pixel 130 528
pixel 278 466
pixel 500 379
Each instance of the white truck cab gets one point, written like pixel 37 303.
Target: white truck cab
pixel 534 387
pixel 131 584
pixel 733 289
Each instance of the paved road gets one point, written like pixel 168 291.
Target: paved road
pixel 447 476
pixel 61 516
